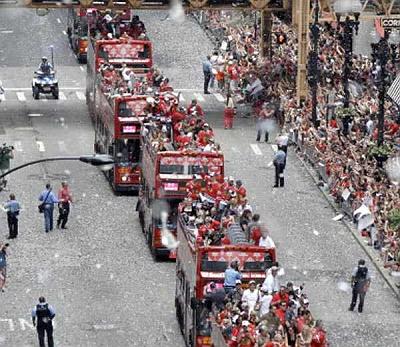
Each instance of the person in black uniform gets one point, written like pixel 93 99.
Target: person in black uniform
pixel 42 316
pixel 360 281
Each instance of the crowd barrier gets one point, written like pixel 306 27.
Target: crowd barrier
pixel 311 155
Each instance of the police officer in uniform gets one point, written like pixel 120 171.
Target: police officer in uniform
pixel 280 164
pixel 42 316
pixel 360 281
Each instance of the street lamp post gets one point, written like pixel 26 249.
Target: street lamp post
pixel 381 55
pixel 314 75
pixel 95 160
pixel 350 26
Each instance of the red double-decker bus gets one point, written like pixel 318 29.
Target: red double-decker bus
pixel 135 54
pixel 117 115
pixel 198 264
pixel 165 174
pixel 117 133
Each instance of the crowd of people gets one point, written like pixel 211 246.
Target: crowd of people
pixel 267 314
pixel 343 140
pixel 106 25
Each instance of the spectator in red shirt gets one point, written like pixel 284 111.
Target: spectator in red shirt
pixel 318 335
pixel 194 106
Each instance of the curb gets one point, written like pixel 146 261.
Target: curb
pixel 370 253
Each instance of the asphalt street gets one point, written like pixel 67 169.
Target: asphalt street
pixel 98 274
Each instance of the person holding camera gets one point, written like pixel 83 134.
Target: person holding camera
pixel 3 265
pixel 12 207
pixel 48 200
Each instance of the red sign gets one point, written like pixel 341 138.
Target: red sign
pixel 171 186
pixel 196 161
pixel 128 129
pixel 123 50
pixel 232 255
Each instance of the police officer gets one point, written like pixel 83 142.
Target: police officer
pixel 42 316
pixel 12 207
pixel 360 281
pixel 280 164
pixel 45 67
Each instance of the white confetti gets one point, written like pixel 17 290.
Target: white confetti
pixel 304 272
pixel 316 233
pixel 67 172
pixel 83 194
pixel 338 217
pixel 56 255
pixel 344 286
pixel 98 266
pixel 111 276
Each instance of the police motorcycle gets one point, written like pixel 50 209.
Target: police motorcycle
pixel 44 80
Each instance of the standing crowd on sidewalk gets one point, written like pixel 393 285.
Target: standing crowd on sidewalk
pixel 342 143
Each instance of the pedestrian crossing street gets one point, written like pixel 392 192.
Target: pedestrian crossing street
pixel 77 94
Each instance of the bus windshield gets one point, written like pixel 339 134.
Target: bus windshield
pixel 127 151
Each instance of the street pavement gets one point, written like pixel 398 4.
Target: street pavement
pixel 98 274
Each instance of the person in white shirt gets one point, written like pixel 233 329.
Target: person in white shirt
pixel 266 241
pixel 282 141
pixel 265 302
pixel 271 283
pixel 251 296
pixel 370 126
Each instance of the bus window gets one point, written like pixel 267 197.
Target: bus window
pixel 172 169
pixel 127 151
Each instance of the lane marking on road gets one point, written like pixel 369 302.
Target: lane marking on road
pixel 103 326
pixel 234 149
pixel 24 88
pixel 18 146
pixel 59 20
pixel 35 114
pixel 199 97
pixel 40 145
pixel 21 96
pixel 81 67
pixel 219 97
pixel 186 90
pixel 62 147
pixel 61 96
pixel 64 32
pixel 256 149
pixel 80 95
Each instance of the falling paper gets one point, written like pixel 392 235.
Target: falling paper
pixel 338 217
pixel 315 232
pixel 344 286
pixel 270 163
